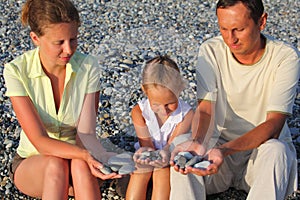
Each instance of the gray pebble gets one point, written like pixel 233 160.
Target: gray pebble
pixel 126 169
pixel 194 160
pixel 202 165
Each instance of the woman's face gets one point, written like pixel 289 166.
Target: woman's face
pixel 162 101
pixel 58 44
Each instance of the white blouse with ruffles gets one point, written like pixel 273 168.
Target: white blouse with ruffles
pixel 161 135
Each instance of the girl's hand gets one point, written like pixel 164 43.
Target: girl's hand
pixel 138 153
pixel 163 162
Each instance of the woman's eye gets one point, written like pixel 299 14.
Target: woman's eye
pixel 58 43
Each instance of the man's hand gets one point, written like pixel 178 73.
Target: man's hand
pixel 215 156
pixel 191 146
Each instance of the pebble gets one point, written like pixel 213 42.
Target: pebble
pixel 186 154
pixel 202 165
pixel 192 161
pixel 186 159
pixel 124 34
pixel 106 169
pixel 121 159
pixel 180 161
pixel 121 163
pixel 151 155
pixel 127 169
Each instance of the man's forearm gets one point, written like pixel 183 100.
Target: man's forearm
pixel 269 129
pixel 202 125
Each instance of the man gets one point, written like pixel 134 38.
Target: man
pixel 246 84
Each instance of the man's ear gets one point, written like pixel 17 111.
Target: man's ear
pixel 35 38
pixel 263 21
pixel 143 89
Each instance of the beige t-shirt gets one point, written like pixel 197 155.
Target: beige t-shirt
pixel 245 93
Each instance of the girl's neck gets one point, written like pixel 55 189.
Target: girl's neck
pixel 161 119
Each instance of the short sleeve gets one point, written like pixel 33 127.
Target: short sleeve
pixel 94 75
pixel 285 82
pixel 13 82
pixel 206 76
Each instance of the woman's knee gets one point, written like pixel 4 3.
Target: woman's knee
pixel 57 167
pixel 79 166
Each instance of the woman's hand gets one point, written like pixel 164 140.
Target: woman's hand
pixel 95 167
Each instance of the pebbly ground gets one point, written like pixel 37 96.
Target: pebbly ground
pixel 123 34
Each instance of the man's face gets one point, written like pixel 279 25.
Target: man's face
pixel 239 31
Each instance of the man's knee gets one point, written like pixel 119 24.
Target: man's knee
pixel 272 151
pixel 274 148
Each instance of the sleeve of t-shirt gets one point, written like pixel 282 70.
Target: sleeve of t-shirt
pixel 206 77
pixel 286 80
pixel 13 82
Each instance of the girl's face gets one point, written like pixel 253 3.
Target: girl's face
pixel 58 44
pixel 162 101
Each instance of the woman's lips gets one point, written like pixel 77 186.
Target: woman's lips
pixel 66 58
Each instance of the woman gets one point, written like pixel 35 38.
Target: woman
pixel 48 87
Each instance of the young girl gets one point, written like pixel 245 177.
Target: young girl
pixel 49 88
pixel 158 119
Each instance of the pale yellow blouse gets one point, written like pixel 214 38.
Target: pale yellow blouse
pixel 24 76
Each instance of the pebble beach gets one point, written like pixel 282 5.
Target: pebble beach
pixel 122 34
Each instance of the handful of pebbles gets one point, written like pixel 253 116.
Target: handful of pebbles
pixel 153 158
pixel 151 155
pixel 185 159
pixel 120 163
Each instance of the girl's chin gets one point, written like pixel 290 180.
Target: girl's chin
pixel 163 115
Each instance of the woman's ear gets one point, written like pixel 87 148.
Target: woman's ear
pixel 35 38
